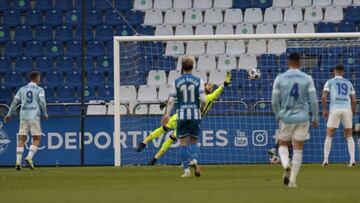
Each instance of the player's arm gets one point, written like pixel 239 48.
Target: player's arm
pixel 215 95
pixel 313 103
pixel 353 99
pixel 275 98
pixel 170 105
pixel 13 106
pixel 202 95
pixel 324 96
pixel 43 104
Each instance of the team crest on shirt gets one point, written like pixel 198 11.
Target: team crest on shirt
pixel 4 140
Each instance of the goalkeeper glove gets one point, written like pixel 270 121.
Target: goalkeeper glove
pixel 227 79
pixel 162 105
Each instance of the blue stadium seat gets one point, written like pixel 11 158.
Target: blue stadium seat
pixel 65 94
pixel 329 60
pixel 263 4
pixel 34 49
pixel 124 31
pixel 11 18
pixel 54 49
pixel 89 64
pixel 123 5
pixel 243 4
pixel 43 34
pixel 23 33
pixel 89 93
pixel 104 33
pixel 5 95
pixel 145 30
pixel 95 79
pixel 53 18
pixel 13 49
pixel 5 65
pixel 135 17
pixel 345 26
pixel 88 4
pixel 350 61
pixel 54 79
pixel 95 49
pixel 23 65
pixel 353 14
pixel 166 63
pixel 64 65
pixel 88 34
pixel 63 34
pixel 110 49
pixel 21 5
pixel 4 34
pixel 63 5
pixel 44 64
pixel 105 93
pixel 56 110
pixel 43 5
pixel 268 61
pixel 93 18
pixel 13 80
pixel 105 64
pixel 73 79
pixel 263 107
pixel 33 18
pixel 4 5
pixel 324 27
pixel 73 18
pixel 112 18
pixel 73 110
pixel 73 49
pixel 102 5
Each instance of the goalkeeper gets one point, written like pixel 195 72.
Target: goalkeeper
pixel 211 96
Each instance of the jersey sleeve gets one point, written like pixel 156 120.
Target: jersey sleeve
pixel 18 95
pixel 352 89
pixel 42 93
pixel 213 96
pixel 327 87
pixel 276 87
pixel 311 85
pixel 173 91
pixel 201 88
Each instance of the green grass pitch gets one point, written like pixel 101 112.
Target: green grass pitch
pixel 224 184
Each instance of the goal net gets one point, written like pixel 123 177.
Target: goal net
pixel 240 127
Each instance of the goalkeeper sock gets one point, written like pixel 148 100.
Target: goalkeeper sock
pixel 32 151
pixel 327 148
pixel 351 148
pixel 296 164
pixel 19 153
pixel 284 156
pixel 165 146
pixel 155 134
pixel 185 156
pixel 194 151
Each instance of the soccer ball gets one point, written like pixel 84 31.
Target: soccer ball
pixel 275 160
pixel 254 74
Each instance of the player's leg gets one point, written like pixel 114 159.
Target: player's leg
pixel 347 122
pixel 296 161
pixel 20 151
pixel 164 147
pixel 332 124
pixel 154 134
pixel 184 150
pixel 194 155
pixel 36 139
pixel 284 137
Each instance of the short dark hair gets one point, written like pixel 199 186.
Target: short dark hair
pixel 34 75
pixel 339 68
pixel 294 57
pixel 187 64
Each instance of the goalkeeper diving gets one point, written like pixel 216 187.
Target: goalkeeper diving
pixel 211 96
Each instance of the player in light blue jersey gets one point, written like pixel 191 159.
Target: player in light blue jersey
pixel 342 106
pixel 33 104
pixel 292 92
pixel 190 95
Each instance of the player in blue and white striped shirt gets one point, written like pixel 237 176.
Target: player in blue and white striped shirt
pixel 33 104
pixel 292 92
pixel 342 107
pixel 190 95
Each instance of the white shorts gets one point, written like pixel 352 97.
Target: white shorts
pixel 27 126
pixel 298 131
pixel 337 115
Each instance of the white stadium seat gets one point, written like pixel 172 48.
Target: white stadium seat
pixel 283 28
pixel 333 14
pixel 143 5
pixel 164 91
pixel 153 17
pixel 244 28
pixel 213 16
pixel 147 93
pixel 174 48
pixel 215 47
pixel 223 4
pixel 253 16
pixel 265 28
pixel 224 29
pixel 235 47
pixel 276 46
pixel 173 74
pixel 110 108
pixel 178 66
pixel 293 15
pixel 322 3
pixel 173 17
pixel 96 107
pixel 342 3
pixel 302 3
pixel 305 27
pixel 204 29
pixel 313 14
pixel 162 30
pixel 127 93
pixel 227 62
pixel 247 61
pixel 139 109
pixel 193 17
pixel 154 109
pixel 156 78
pixel 356 3
pixel 273 15
pixel 184 29
pixel 195 48
pixel 206 63
pixel 201 74
pixel 281 3
pixel 162 5
pixel 217 77
pixel 202 4
pixel 182 4
pixel 233 16
pixel 257 47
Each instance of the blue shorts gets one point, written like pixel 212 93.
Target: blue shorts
pixel 188 128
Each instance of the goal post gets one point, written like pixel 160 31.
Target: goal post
pixel 139 57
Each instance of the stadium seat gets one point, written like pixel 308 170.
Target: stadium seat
pixel 333 14
pixel 244 29
pixel 143 5
pixel 202 4
pixel 184 29
pixel 63 34
pixel 224 29
pixel 127 94
pixel 253 16
pixel 104 34
pixel 325 27
pixel 356 3
pixel 182 4
pixel 276 46
pixel 64 65
pixel 285 28
pixel 281 3
pixel 163 30
pixel 328 60
pixel 95 79
pixel 44 64
pixel 273 15
pixel 63 5
pixel 263 4
pixel 204 29
pixel 65 94
pixel 265 28
pixel 53 18
pixel 56 110
pixel 153 18
pixel 215 47
pixel 121 5
pixel 54 79
pixel 88 3
pixel 154 109
pixel 257 47
pixel 95 49
pixel 73 18
pixel 268 62
pixel 235 47
pixel 105 64
pixel 128 31
pixel 173 17
pixel 13 49
pixel 96 107
pixel 156 78
pixel 195 48
pixel 242 4
pixel 162 5
pixel 213 16
pixel 102 5
pixel 105 93
pixel 174 48
pixel 305 27
pixel 353 14
pixel 4 34
pixel 313 14
pixel 147 93
pixel 13 80
pixel 233 16
pixel 88 34
pixel 227 62
pixel 206 63
pixel 347 27
pixel 5 95
pixel 54 49
pixel 23 65
pixel 5 65
pixel 322 3
pixel 173 74
pixel 43 34
pixel 217 77
pixel 93 18
pixel 43 5
pixel 23 33
pixel 247 61
pixel 138 109
pixel 109 49
pixel 73 79
pixel 21 5
pixel 73 110
pixel 11 18
pixel 302 3
pixel 164 91
pixel 5 5
pixel 201 74
pixel 73 49
pixel 33 18
pixel 193 17
pixel 123 108
pixel 223 4
pixel 350 61
pixel 293 15
pixel 134 17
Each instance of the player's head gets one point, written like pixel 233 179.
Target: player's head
pixel 339 70
pixel 35 77
pixel 208 88
pixel 187 64
pixel 294 60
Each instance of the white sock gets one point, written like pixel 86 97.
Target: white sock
pixel 327 148
pixel 284 156
pixel 351 148
pixel 187 170
pixel 19 153
pixel 296 164
pixel 32 151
